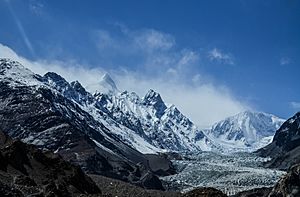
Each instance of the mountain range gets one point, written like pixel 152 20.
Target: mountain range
pixel 145 124
pixel 121 135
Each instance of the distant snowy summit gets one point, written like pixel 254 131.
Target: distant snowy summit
pixel 105 85
pixel 246 131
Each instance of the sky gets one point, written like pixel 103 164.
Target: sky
pixel 212 58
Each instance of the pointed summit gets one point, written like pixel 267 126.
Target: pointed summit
pixel 107 81
pixel 154 99
pixel 105 85
pixel 54 77
pixel 56 81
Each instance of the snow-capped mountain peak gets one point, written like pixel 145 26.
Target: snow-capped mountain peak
pixel 248 130
pixel 153 99
pixel 107 84
pixel 16 74
pixel 56 80
pixel 107 80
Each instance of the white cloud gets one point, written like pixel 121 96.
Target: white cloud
pixel 193 93
pixel 145 40
pixel 217 55
pixel 70 70
pixel 146 51
pixel 295 105
pixel 285 61
pixel 151 39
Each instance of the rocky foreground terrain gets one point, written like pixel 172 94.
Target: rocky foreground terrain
pixel 28 171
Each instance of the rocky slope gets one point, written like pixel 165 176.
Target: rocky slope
pixel 289 185
pixel 285 147
pixel 246 131
pixel 112 187
pixel 257 192
pixel 25 171
pixel 49 113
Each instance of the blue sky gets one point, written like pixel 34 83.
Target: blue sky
pixel 246 52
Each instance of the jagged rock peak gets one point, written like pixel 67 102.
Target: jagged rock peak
pixel 56 80
pixel 54 77
pixel 152 97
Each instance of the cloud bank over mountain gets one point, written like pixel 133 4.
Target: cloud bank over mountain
pixel 195 94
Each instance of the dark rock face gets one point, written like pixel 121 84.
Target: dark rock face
pixel 204 192
pixel 160 164
pixel 49 117
pixel 152 98
pixel 285 147
pixel 9 191
pixel 25 171
pixel 289 185
pixel 257 192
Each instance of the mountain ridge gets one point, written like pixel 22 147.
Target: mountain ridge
pixel 146 124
